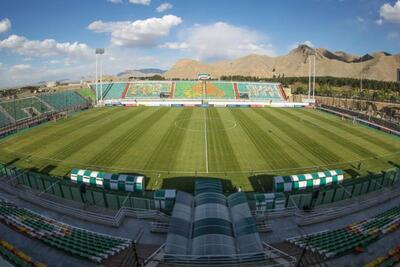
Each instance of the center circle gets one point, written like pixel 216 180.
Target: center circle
pixel 199 125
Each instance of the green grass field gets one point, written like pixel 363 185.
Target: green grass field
pixel 245 147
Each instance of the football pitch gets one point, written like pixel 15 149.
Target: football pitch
pixel 172 146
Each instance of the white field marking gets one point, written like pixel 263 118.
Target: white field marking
pixel 117 168
pixel 205 136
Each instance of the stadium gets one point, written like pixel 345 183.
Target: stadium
pixel 212 166
pixel 201 165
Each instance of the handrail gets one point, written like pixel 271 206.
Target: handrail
pixel 270 253
pixel 115 219
pixel 321 214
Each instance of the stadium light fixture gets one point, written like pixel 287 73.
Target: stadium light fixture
pixel 313 94
pixel 311 73
pixel 309 76
pixel 361 74
pixel 99 52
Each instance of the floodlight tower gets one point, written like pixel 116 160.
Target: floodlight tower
pixel 313 94
pixel 99 53
pixel 361 74
pixel 311 73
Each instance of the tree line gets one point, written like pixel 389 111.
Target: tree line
pixel 322 80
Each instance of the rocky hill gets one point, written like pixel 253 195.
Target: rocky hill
pixel 377 66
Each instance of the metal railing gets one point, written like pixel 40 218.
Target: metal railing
pixel 269 257
pixel 80 211
pixel 345 207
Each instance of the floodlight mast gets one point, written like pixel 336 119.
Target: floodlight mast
pixel 361 74
pixel 313 94
pixel 309 76
pixel 311 73
pixel 99 51
pixel 95 80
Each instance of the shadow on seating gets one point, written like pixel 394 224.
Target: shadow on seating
pixel 262 182
pixel 353 173
pixel 12 162
pixel 394 164
pixel 47 169
pixel 186 183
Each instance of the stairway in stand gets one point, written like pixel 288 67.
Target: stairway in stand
pixel 282 91
pixel 125 90
pixel 235 88
pixel 171 93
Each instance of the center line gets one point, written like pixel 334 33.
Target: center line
pixel 205 137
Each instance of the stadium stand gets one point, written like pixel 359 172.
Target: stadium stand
pixel 105 89
pixel 16 256
pixel 261 91
pixel 188 89
pixel 193 90
pixel 88 93
pixel 218 90
pixel 236 90
pixel 22 113
pixel 63 100
pixel 392 258
pixel 79 242
pixel 4 120
pixel 325 193
pixel 125 90
pixel 114 91
pixel 380 121
pixel 25 108
pixel 282 92
pixel 171 92
pixel 354 236
pixel 148 89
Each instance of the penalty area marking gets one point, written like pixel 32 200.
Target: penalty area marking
pixel 259 171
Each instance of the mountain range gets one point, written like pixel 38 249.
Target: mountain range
pixel 140 73
pixel 376 66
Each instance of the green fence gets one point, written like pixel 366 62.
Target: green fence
pixel 349 189
pixel 309 198
pixel 93 196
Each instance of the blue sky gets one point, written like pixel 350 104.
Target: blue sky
pixel 54 39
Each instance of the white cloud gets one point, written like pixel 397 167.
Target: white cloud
pixel 222 41
pixel 379 21
pixel 140 2
pixel 296 44
pixel 115 1
pixel 48 47
pixel 5 25
pixel 393 35
pixel 360 19
pixel 20 67
pixel 163 7
pixel 175 45
pixel 137 33
pixel 308 43
pixel 22 74
pixel 54 61
pixel 390 13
